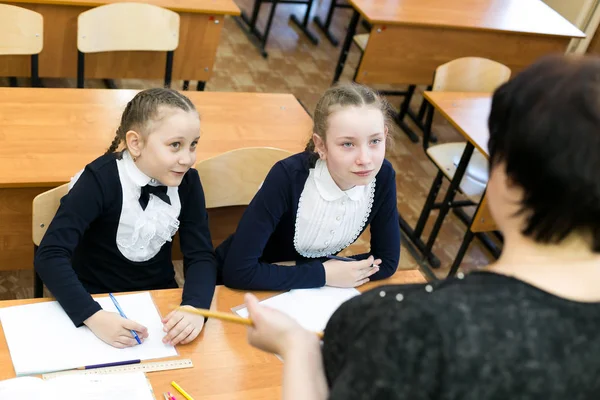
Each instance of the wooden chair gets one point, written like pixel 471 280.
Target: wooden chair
pixel 22 33
pixel 45 206
pixel 469 74
pixel 127 27
pixel 233 178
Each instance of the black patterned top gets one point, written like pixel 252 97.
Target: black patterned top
pixel 486 336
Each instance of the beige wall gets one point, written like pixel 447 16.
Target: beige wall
pixel 573 10
pixel 584 14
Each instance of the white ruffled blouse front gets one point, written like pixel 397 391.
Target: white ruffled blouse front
pixel 330 219
pixel 142 233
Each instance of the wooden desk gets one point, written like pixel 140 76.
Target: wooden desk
pixel 47 135
pixel 200 28
pixel 225 365
pixel 411 38
pixel 467 112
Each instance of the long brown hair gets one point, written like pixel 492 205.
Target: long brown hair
pixel 144 108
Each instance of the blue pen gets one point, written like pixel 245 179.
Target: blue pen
pixel 135 335
pixel 341 258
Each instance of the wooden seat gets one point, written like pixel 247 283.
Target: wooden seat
pixel 21 33
pixel 45 206
pixel 233 178
pixel 446 157
pixel 127 27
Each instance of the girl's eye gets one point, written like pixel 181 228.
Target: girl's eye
pixel 175 145
pixel 194 144
pixel 347 144
pixel 376 141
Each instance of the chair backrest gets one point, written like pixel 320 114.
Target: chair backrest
pixel 233 178
pixel 470 74
pixel 21 31
pixel 45 206
pixel 127 26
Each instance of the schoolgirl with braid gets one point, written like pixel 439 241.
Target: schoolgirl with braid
pixel 113 230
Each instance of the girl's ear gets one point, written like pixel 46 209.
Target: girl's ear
pixel 320 146
pixel 135 143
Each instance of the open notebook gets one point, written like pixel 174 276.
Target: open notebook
pixel 41 338
pixel 312 308
pixel 130 386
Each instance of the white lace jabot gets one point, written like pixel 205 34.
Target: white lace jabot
pixel 330 219
pixel 142 233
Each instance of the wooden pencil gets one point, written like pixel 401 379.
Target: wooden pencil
pixel 225 317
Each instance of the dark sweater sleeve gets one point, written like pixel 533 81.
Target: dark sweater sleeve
pixel 242 268
pixel 199 261
pixel 78 209
pixel 385 231
pixel 396 352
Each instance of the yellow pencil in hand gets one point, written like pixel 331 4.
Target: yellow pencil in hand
pixel 225 316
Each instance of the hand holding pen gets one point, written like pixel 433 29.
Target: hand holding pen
pixel 122 314
pixel 348 272
pixel 115 329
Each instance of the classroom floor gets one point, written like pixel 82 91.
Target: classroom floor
pixel 297 66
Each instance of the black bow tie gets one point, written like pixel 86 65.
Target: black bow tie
pixel 158 191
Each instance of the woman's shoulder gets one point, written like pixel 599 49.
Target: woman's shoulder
pixel 450 301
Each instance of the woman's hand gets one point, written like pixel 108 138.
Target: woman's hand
pixel 274 331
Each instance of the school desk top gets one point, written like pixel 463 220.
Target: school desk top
pixel 47 135
pixel 225 365
pixel 226 7
pixel 522 16
pixel 467 112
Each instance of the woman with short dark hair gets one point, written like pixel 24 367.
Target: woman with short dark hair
pixel 526 327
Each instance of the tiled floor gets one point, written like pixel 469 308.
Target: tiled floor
pixel 297 66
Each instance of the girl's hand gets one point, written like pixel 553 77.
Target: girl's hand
pixel 182 327
pixel 350 273
pixel 115 330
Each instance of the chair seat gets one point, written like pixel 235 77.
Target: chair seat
pixel 446 157
pixel 361 41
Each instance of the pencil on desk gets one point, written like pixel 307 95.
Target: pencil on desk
pixel 180 390
pixel 225 317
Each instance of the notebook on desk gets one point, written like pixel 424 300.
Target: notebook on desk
pixel 312 308
pixel 41 338
pixel 130 386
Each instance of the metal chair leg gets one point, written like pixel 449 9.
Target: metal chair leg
pixel 433 192
pixel 461 252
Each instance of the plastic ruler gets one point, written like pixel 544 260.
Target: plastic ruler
pixel 143 367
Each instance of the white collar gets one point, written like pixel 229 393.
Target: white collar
pixel 134 173
pixel 327 187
